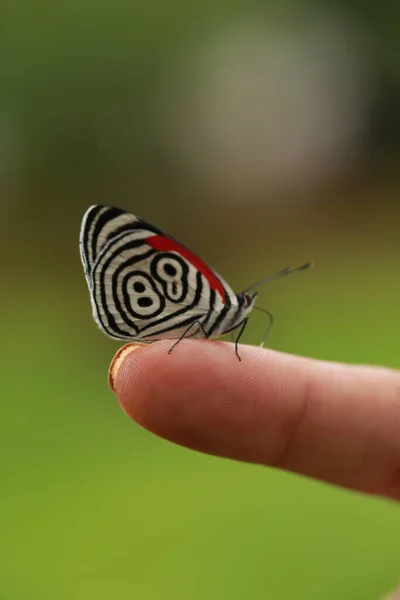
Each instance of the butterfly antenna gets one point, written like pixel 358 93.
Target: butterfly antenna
pixel 282 273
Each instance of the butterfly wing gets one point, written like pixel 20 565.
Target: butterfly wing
pixel 99 225
pixel 143 284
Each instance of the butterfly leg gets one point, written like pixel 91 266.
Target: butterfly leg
pixel 184 334
pixel 239 335
pixel 271 322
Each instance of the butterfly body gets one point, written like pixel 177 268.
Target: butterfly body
pixel 145 286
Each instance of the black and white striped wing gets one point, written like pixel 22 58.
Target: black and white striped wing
pixel 143 284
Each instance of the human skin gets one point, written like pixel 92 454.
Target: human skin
pixel 333 422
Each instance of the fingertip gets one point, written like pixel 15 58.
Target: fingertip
pixel 199 395
pixel 117 361
pixel 163 390
pixel 333 422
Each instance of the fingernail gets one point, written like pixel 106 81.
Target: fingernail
pixel 117 361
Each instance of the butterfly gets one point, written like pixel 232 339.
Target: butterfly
pixel 145 286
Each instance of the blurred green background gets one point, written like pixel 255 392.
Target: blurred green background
pixel 261 135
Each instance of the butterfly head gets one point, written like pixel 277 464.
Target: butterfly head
pixel 248 300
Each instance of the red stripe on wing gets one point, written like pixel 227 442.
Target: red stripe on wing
pixel 165 244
